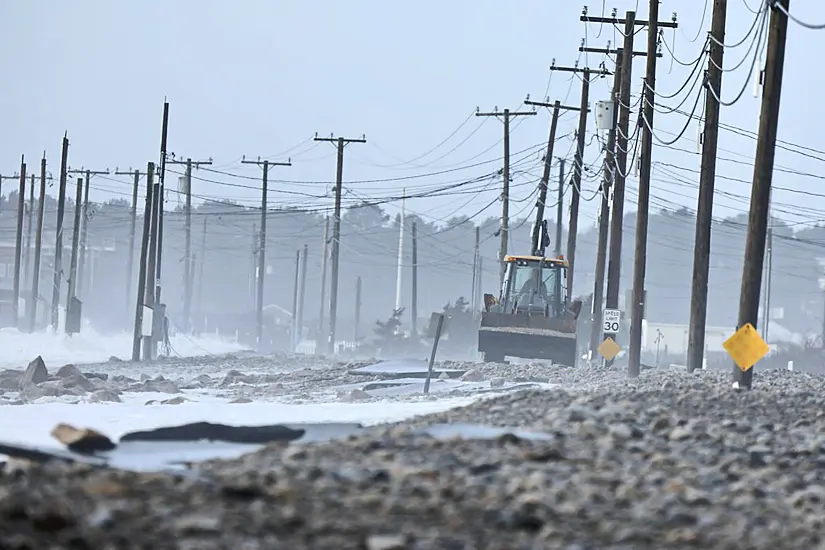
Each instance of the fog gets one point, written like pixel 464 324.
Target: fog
pixel 223 292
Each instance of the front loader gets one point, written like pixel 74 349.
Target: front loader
pixel 532 317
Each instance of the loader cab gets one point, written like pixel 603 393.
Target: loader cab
pixel 534 286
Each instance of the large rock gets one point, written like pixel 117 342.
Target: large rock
pixel 10 380
pixel 35 373
pixel 104 396
pixel 68 371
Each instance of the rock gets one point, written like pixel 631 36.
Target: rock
pixel 386 542
pixel 237 377
pixel 358 395
pixel 67 371
pixel 144 377
pixel 104 396
pixel 497 382
pixel 174 401
pixel 157 386
pixel 239 400
pixel 113 359
pixel 77 381
pixel 10 380
pixel 152 402
pixel 96 376
pixel 35 373
pixel 472 375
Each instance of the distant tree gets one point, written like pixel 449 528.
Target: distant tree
pixel 364 216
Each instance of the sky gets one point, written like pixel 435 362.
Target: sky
pixel 260 78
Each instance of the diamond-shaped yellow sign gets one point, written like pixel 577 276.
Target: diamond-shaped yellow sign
pixel 609 349
pixel 746 347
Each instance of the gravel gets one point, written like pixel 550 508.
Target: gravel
pixel 669 460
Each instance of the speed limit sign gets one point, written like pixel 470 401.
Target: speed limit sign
pixel 612 321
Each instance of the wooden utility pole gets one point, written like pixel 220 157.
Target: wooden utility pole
pixel 161 199
pixel 573 223
pixel 142 294
pixel 302 297
pixel 762 177
pixel 84 221
pixel 58 248
pixel 150 300
pixel 188 274
pixel 604 215
pixel 537 245
pixel 614 263
pixel 414 309
pixel 295 291
pixel 560 208
pixel 27 248
pixel 130 261
pixel 324 257
pixel 474 288
pixel 261 271
pixel 336 234
pixel 18 242
pixel 72 289
pixel 707 177
pixel 640 260
pixel 505 191
pixel 38 247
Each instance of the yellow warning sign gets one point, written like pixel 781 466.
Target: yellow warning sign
pixel 609 349
pixel 746 347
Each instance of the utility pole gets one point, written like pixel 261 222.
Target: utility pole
pixel 604 215
pixel 295 291
pixel 336 234
pixel 768 277
pixel 560 208
pixel 762 177
pixel 27 249
pixel 301 298
pixel 161 198
pixel 71 292
pixel 707 176
pixel 150 289
pixel 58 249
pixel 140 299
pixel 573 223
pixel 537 246
pixel 414 309
pixel 187 255
pixel 18 242
pixel 259 294
pixel 505 192
pixel 640 260
pixel 130 261
pixel 399 274
pixel 614 264
pixel 545 178
pixel 84 223
pixel 476 250
pixel 325 256
pixel 38 247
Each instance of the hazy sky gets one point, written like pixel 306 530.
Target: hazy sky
pixel 257 78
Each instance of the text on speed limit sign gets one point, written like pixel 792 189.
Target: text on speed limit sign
pixel 612 320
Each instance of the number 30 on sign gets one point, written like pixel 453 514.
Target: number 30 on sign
pixel 612 321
